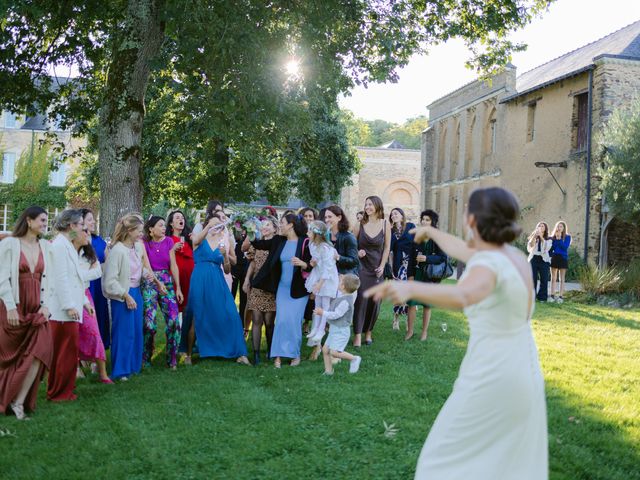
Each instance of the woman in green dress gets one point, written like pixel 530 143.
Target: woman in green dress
pixel 422 255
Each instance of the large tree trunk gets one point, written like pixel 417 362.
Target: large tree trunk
pixel 122 111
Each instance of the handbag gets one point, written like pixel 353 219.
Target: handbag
pixel 305 242
pixel 388 273
pixel 439 271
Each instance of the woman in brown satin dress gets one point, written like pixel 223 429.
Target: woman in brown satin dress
pixel 374 242
pixel 25 339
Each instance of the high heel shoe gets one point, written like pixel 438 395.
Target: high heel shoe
pixel 18 410
pixel 256 358
pixel 243 360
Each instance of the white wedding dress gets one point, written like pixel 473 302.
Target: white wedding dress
pixel 494 424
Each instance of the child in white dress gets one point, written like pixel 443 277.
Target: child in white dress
pixel 323 280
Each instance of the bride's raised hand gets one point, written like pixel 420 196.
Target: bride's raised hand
pixel 421 234
pixel 397 292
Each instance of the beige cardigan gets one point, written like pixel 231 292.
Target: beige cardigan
pixel 67 280
pixel 9 271
pixel 117 272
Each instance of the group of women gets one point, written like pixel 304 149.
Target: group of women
pixel 495 416
pixel 68 301
pixel 549 257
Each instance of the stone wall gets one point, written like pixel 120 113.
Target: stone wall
pixel 538 127
pixel 622 240
pixel 392 174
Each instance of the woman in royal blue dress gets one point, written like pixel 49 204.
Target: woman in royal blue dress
pixel 212 316
pixel 101 304
pixel 282 274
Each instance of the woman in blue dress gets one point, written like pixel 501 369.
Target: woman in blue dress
pixel 212 317
pixel 95 287
pixel 282 274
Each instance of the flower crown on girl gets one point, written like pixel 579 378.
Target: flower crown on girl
pixel 320 228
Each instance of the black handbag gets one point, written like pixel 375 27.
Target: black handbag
pixel 388 273
pixel 439 271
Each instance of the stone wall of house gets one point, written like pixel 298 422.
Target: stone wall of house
pixel 538 127
pixel 543 197
pixel 17 141
pixel 392 174
pixel 623 245
pixel 460 150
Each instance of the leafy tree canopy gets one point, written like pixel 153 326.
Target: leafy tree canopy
pixel 204 81
pixel 621 167
pixel 373 133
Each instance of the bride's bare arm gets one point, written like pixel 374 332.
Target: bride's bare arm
pixel 453 246
pixel 477 285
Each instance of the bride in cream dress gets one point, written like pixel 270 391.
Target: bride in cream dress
pixel 493 426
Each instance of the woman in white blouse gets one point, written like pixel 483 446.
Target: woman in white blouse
pixel 65 304
pixel 538 246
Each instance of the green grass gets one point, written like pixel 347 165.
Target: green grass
pixel 222 420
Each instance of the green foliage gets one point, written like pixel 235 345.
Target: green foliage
pixel 575 263
pixel 83 184
pixel 600 281
pixel 621 167
pixel 631 278
pixel 223 119
pixel 31 186
pixel 373 133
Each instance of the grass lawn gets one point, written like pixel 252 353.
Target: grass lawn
pixel 222 420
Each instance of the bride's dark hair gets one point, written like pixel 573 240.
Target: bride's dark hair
pixel 496 211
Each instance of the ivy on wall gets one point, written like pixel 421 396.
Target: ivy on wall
pixel 32 183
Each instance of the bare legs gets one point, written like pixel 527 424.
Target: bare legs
pixel 191 339
pixel 411 318
pixel 558 275
pixel 18 403
pixel 328 355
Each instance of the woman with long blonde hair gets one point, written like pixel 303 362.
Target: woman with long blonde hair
pixel 560 242
pixel 121 283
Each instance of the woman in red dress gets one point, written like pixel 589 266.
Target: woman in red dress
pixel 25 337
pixel 180 233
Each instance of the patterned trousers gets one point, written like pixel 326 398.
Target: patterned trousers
pixel 152 300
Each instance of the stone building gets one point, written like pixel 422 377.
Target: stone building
pixel 20 133
pixel 535 134
pixel 391 172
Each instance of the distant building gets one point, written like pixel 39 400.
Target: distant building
pixel 20 133
pixel 391 172
pixel 506 132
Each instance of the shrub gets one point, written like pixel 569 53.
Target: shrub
pixel 575 262
pixel 597 281
pixel 631 278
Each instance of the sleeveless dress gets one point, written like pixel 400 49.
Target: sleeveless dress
pixel 184 260
pixel 366 309
pixel 494 424
pixel 31 339
pixel 218 327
